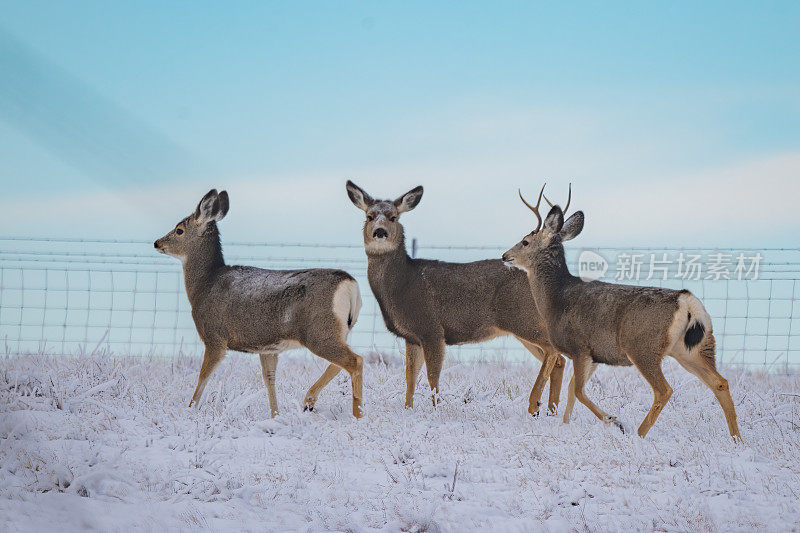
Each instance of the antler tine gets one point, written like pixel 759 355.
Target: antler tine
pixel 534 209
pixel 569 199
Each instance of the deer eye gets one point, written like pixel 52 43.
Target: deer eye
pixel 179 231
pixel 525 243
pixel 392 219
pixel 370 218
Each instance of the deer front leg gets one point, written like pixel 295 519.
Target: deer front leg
pixel 269 364
pixel 550 358
pixel 571 391
pixel 583 369
pixel 211 359
pixel 556 375
pixel 556 378
pixel 414 360
pixel 433 351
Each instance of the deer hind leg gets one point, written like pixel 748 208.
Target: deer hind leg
pixel 700 362
pixel 433 351
pixel 339 353
pixel 571 391
pixel 311 396
pixel 414 360
pixel 661 390
pixel 269 364
pixel 211 359
pixel 583 369
pixel 556 375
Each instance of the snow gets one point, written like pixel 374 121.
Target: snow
pixel 107 442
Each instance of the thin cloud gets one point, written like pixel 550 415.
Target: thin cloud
pixel 747 204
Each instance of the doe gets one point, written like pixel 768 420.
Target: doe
pixel 431 303
pixel 263 311
pixel 596 322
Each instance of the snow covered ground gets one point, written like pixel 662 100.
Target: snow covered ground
pixel 108 443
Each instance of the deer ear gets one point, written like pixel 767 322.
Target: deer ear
pixel 208 208
pixel 409 200
pixel 358 196
pixel 572 227
pixel 554 220
pixel 224 205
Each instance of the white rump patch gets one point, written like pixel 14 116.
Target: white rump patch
pixel 688 303
pixel 347 303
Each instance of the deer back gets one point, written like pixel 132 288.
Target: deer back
pixel 254 310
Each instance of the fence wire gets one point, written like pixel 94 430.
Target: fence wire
pixel 62 296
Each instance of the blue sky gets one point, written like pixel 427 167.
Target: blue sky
pixel 676 122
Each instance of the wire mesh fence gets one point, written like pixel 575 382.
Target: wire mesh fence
pixel 62 296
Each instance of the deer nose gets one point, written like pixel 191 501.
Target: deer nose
pixel 380 233
pixel 505 257
pixel 155 245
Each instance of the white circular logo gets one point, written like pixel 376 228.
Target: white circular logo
pixel 591 265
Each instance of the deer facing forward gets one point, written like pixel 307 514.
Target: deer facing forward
pixel 431 303
pixel 621 325
pixel 263 311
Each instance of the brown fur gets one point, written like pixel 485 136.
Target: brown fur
pixel 263 311
pixel 432 304
pixel 595 322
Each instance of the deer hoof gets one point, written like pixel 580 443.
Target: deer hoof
pixel 308 404
pixel 613 420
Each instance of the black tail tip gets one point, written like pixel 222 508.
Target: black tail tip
pixel 694 335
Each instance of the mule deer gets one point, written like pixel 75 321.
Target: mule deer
pixel 620 325
pixel 431 304
pixel 263 311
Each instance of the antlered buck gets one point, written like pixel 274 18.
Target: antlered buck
pixel 595 322
pixel 431 304
pixel 263 311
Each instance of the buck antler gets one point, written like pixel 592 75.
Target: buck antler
pixel 534 209
pixel 569 199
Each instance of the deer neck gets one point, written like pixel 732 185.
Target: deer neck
pixel 202 264
pixel 385 269
pixel 548 277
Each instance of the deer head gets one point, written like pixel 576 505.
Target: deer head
pixel 190 232
pixel 382 229
pixel 548 235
